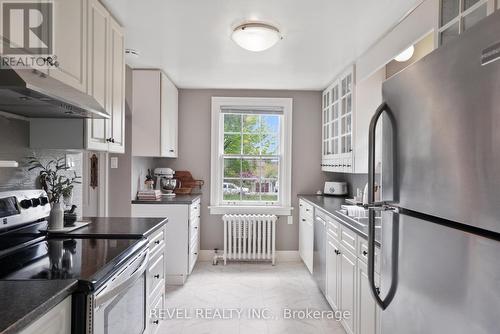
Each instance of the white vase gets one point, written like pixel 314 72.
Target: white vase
pixel 56 219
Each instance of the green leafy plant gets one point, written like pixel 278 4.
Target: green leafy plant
pixel 52 178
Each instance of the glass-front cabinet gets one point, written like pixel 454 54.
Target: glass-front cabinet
pixel 337 124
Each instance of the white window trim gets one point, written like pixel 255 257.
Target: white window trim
pixel 216 204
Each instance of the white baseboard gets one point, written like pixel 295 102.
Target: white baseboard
pixel 281 256
pixel 175 279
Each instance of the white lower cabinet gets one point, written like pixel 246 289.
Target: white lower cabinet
pixel 56 321
pixel 348 288
pixel 306 234
pixel 155 279
pixel 347 285
pixel 367 312
pixel 182 241
pixel 332 272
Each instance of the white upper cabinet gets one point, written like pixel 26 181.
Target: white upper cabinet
pixel 117 88
pixel 154 115
pixel 98 73
pixel 70 47
pixel 347 109
pixel 106 73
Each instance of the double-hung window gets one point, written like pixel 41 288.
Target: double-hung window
pixel 251 155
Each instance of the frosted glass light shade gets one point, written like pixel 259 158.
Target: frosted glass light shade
pixel 256 36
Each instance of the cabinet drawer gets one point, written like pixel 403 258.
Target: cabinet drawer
pixel 305 208
pixel 194 227
pixel 363 253
pixel 333 228
pixel 158 305
pixel 349 239
pixel 157 241
pixel 156 273
pixel 193 253
pixel 194 210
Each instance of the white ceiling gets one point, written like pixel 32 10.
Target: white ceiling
pixel 190 39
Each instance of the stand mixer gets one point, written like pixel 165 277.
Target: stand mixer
pixel 165 181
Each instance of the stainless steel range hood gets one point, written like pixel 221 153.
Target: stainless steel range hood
pixel 31 93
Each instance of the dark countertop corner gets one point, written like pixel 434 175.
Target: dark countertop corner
pixel 119 227
pixel 331 205
pixel 25 301
pixel 178 199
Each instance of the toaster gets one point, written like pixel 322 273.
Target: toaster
pixel 335 188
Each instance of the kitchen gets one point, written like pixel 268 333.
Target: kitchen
pixel 317 169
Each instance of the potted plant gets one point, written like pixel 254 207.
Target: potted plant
pixel 54 180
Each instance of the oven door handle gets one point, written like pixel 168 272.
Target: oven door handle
pixel 111 292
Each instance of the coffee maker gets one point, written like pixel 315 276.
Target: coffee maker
pixel 165 181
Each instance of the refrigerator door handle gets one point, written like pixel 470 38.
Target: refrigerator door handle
pixel 383 303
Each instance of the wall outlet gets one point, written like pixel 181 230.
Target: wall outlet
pixel 114 162
pixel 70 161
pixel 289 220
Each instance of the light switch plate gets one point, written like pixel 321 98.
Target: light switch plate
pixel 114 162
pixel 70 161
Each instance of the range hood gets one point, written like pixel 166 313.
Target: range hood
pixel 31 93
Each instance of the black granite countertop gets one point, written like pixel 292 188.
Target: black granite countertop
pixel 178 199
pixel 331 205
pixel 25 301
pixel 117 227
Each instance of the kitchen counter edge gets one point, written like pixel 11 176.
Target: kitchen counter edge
pixel 178 199
pixel 28 314
pixel 343 219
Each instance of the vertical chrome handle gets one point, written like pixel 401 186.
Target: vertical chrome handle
pixel 371 199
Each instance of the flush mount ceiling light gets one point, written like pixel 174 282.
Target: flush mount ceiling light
pixel 256 36
pixel 405 55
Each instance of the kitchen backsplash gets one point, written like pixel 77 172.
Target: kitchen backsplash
pixel 14 145
pixel 354 181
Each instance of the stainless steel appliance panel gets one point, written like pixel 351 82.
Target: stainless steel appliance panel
pixel 319 254
pixel 447 114
pixel 447 280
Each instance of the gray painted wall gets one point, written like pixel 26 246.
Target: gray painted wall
pixel 14 145
pixel 194 154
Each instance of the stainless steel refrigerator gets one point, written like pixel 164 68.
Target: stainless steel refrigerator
pixel 441 190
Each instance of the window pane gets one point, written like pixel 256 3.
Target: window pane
pixel 232 167
pixel 269 190
pixel 474 17
pixel 469 3
pixel 249 191
pixel 270 168
pixel 250 169
pixel 251 144
pixel 449 34
pixel 270 144
pixel 232 144
pixel 232 123
pixel 270 123
pixel 231 190
pixel 449 10
pixel 251 123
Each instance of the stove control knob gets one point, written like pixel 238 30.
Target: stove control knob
pixel 36 202
pixel 26 204
pixel 44 201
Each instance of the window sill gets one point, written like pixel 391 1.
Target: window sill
pixel 241 209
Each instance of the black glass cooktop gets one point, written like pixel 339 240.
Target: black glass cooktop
pixel 89 260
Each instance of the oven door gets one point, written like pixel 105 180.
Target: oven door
pixel 120 306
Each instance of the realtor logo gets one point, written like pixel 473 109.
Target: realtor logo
pixel 27 28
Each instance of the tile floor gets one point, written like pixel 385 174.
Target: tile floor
pixel 238 288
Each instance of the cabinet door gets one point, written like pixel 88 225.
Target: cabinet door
pixel 146 127
pixel 70 47
pixel 367 313
pixel 348 288
pixel 332 272
pixel 117 87
pixel 98 73
pixel 309 244
pixel 169 118
pixel 55 321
